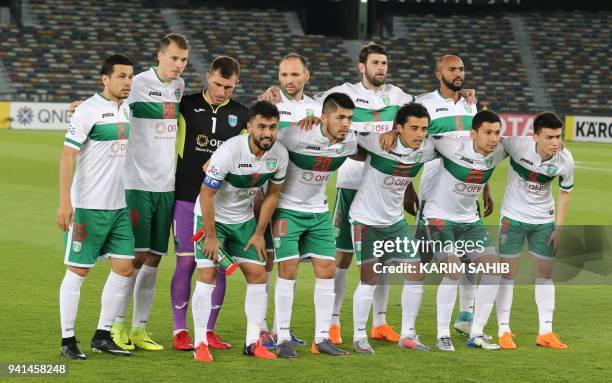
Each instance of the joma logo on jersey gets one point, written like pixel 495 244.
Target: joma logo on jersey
pixel 362 100
pixel 104 115
pixel 285 112
pixel 526 161
pixel 441 110
pixel 469 161
pixel 312 147
pixel 244 166
pixel 155 93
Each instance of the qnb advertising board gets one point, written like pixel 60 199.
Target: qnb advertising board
pixel 589 129
pixel 39 115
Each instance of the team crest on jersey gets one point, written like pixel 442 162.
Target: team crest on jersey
pixel 232 120
pixel 551 170
pixel 468 108
pixel 177 94
pixel 340 148
pixel 385 98
pixel 277 242
pixel 489 162
pixel 309 112
pixel 503 239
pixel 271 163
pixel 125 113
pixel 418 157
pixel 76 246
pixel 358 246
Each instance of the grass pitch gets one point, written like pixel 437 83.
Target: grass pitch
pixel 32 269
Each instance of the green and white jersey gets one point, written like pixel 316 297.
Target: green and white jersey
pixel 447 117
pixel 237 174
pixel 152 155
pixel 99 130
pixel 374 112
pixel 528 197
pixel 292 112
pixel 380 198
pixel 462 177
pixel 312 160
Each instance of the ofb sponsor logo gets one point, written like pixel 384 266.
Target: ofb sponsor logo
pixel 118 147
pixel 203 141
pixel 25 115
pixel 161 128
pixel 467 189
pixel 391 182
pixel 311 178
pixel 245 193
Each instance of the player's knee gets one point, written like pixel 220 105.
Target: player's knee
pixel 125 269
pixel 257 276
pixel 207 275
pixel 325 270
pixel 80 271
pixel 343 259
pixel 152 260
pixel 288 269
pixel 139 259
pixel 453 276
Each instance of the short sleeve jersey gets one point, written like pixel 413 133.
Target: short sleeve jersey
pixel 528 197
pixel 447 117
pixel 374 112
pixel 99 130
pixel 238 174
pixel 463 176
pixel 151 158
pixel 379 199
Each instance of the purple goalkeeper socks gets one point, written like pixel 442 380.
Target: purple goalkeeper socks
pixel 180 290
pixel 217 299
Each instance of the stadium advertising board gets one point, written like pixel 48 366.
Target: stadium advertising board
pixel 39 115
pixel 517 124
pixel 588 129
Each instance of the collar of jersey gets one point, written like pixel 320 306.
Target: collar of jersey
pixel 286 97
pixel 380 90
pixel 107 100
pixel 154 70
pixel 214 110
pixel 548 161
pixel 448 99
pixel 248 144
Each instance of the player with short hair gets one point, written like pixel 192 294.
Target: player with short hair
pixel 206 120
pixel 224 209
pixel 149 180
pixel 376 104
pixel 301 225
pixel 377 217
pixel 451 214
pixel 451 113
pixel 528 211
pixel 92 207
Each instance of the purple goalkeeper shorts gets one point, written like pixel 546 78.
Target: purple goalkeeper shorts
pixel 183 227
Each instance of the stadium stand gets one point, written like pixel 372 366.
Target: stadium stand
pixel 51 62
pixel 573 49
pixel 493 65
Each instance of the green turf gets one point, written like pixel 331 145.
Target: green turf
pixel 32 269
